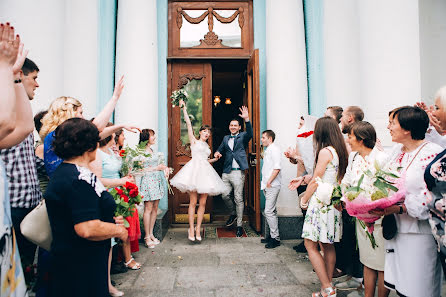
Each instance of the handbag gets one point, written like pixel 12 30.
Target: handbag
pixel 389 226
pixel 36 226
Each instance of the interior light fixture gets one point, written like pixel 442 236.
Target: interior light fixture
pixel 217 100
pixel 228 101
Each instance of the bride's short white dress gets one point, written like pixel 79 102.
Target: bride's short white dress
pixel 198 175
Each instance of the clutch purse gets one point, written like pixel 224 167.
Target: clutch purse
pixel 389 227
pixel 36 226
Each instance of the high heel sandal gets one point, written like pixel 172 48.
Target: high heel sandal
pixel 191 238
pixel 198 234
pixel 154 240
pixel 327 292
pixel 149 243
pixel 116 294
pixel 135 266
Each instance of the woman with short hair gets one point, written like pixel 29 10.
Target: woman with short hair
pixel 81 214
pixel 362 140
pixel 412 267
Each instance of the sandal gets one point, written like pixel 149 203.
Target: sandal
pixel 154 239
pixel 135 266
pixel 327 292
pixel 149 243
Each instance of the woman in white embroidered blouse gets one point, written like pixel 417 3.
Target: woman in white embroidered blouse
pixel 362 140
pixel 412 267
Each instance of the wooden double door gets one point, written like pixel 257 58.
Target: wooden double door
pixel 196 78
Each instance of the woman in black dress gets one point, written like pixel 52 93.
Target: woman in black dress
pixel 81 215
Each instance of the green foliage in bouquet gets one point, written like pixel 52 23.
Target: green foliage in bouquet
pixel 177 96
pixel 132 158
pixel 336 195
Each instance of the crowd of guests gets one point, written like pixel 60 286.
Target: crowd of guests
pixel 410 245
pixel 73 166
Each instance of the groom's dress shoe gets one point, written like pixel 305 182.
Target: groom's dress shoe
pixel 239 232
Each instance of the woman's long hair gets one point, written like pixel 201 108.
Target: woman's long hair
pixel 327 133
pixel 61 109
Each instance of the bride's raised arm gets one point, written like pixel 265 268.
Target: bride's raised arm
pixel 190 132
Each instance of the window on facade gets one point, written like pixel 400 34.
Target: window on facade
pixel 210 28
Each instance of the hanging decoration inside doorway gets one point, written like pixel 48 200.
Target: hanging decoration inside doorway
pixel 211 39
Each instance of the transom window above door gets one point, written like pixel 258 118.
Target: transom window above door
pixel 210 29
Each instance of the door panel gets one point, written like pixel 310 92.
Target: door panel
pixel 196 79
pixel 253 102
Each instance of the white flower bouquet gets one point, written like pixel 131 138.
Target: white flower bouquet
pixel 177 96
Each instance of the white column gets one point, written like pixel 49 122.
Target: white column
pixel 341 52
pixel 136 58
pixel 389 58
pixel 81 52
pixel 286 85
pixel 41 27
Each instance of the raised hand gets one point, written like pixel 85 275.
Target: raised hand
pixel 421 105
pixel 9 45
pixel 244 114
pixel 118 88
pixel 436 123
pixel 182 104
pixel 21 56
pixel 132 129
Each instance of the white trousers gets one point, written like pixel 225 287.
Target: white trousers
pixel 271 195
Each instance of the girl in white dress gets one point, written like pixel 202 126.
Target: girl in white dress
pixel 323 223
pixel 198 177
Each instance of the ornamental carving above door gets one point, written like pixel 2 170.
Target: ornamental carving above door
pixel 204 29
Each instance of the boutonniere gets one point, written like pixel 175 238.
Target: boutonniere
pixel 306 134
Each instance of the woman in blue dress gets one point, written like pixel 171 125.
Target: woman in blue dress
pixel 151 185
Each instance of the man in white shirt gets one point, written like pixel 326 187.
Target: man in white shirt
pixel 270 185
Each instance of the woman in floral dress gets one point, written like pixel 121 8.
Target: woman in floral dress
pixel 151 185
pixel 322 223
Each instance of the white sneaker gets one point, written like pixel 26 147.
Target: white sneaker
pixel 350 284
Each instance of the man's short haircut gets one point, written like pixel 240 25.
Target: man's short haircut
pixel 237 120
pixel 270 133
pixel 356 112
pixel 337 112
pixel 29 66
pixel 413 119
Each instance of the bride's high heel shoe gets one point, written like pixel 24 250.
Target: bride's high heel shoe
pixel 191 238
pixel 198 234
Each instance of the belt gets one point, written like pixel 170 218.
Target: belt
pixel 236 168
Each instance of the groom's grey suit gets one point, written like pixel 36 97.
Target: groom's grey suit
pixel 233 149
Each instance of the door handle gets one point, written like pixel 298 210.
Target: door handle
pixel 252 159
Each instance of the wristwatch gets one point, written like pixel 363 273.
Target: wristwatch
pixel 401 209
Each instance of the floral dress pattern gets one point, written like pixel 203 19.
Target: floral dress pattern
pixel 323 222
pixel 151 184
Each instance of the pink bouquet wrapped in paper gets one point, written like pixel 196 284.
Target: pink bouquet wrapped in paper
pixel 379 187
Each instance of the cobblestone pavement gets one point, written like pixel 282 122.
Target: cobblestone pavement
pixel 219 267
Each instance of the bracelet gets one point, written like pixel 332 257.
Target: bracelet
pixel 17 81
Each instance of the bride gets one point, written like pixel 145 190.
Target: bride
pixel 198 177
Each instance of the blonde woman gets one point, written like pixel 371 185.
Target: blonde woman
pixel 64 108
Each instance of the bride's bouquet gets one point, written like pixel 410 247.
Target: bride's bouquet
pixel 177 96
pixel 133 159
pixel 379 187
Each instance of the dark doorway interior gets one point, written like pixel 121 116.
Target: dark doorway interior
pixel 228 81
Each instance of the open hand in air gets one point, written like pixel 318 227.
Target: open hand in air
pixel 118 88
pixel 244 114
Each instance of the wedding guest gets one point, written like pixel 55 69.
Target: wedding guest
pixel 119 139
pixel 303 156
pixel 64 108
pixel 323 223
pixel 20 165
pixel 233 148
pixel 434 177
pixel 334 112
pixel 198 177
pixel 81 212
pixel 41 172
pixel 347 255
pixel 362 139
pixel 13 130
pixel 151 185
pixel 414 271
pixel 270 185
pixel 107 167
pixel 435 133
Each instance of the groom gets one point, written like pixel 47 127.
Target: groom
pixel 235 163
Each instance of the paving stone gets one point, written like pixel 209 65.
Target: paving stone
pixel 180 292
pixel 186 259
pixel 249 258
pixel 270 275
pixel 277 291
pixel 154 279
pixel 212 277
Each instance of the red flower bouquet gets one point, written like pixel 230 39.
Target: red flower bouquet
pixel 306 134
pixel 126 197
